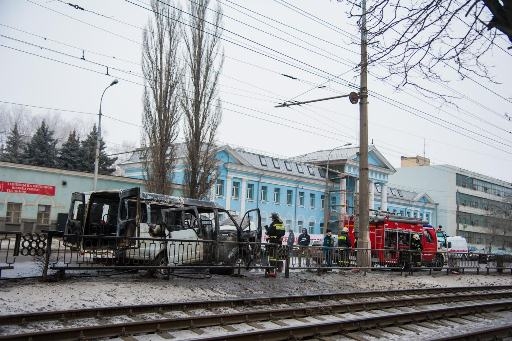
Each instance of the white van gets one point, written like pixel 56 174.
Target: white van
pixel 458 246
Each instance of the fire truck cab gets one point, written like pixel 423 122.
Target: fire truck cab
pixel 391 236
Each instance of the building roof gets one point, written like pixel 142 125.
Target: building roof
pixel 279 165
pixel 348 155
pixel 335 154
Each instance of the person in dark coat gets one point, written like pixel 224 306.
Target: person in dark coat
pixel 290 241
pixel 328 245
pixel 303 241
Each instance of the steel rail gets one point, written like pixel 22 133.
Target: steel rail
pixel 160 308
pixel 158 325
pixel 491 333
pixel 362 323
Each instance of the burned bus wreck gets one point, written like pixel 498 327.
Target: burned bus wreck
pixel 130 227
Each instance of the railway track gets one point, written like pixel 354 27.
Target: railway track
pixel 398 314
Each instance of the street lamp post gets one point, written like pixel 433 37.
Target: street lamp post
pixel 98 138
pixel 327 197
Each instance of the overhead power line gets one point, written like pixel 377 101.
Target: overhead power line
pixel 310 70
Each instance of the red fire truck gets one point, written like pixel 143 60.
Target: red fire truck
pixel 390 239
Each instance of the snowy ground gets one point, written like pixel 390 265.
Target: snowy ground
pixel 26 295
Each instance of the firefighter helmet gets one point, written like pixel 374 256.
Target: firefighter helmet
pixel 274 215
pixel 416 236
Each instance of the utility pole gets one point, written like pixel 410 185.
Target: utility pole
pixel 363 258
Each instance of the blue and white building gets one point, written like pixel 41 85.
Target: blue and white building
pixel 297 187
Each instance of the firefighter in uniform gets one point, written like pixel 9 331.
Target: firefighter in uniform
pixel 343 247
pixel 275 232
pixel 416 249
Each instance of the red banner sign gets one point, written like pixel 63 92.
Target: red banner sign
pixel 21 187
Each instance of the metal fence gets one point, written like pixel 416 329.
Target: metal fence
pixel 162 256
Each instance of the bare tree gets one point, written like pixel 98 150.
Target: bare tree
pixel 200 102
pixel 428 36
pixel 161 116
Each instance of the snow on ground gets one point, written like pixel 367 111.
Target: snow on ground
pixel 30 295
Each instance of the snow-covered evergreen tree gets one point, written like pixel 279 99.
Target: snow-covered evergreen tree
pixel 13 151
pixel 41 150
pixel 70 154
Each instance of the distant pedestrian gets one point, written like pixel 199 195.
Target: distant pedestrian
pixel 328 245
pixel 290 241
pixel 303 241
pixel 291 238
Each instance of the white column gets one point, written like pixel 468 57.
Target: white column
pixel 243 196
pixel 229 181
pixel 371 194
pixel 212 192
pixel 384 197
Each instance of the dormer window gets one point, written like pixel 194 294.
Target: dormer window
pixel 263 161
pixel 311 170
pixel 288 166
pixel 276 163
pixel 299 168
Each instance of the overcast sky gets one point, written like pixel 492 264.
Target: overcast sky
pixel 259 49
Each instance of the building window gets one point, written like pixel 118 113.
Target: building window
pixel 277 195
pixel 275 162
pixel 378 187
pixel 264 193
pixel 427 217
pixel 288 166
pixel 235 190
pixel 301 199
pixel 299 168
pixel 250 192
pixel 312 200
pixel 289 197
pixel 219 188
pixel 43 214
pixel 322 201
pixel 333 202
pixel 13 215
pixel 311 227
pixel 263 161
pixel 300 225
pixel 289 224
pixel 311 170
